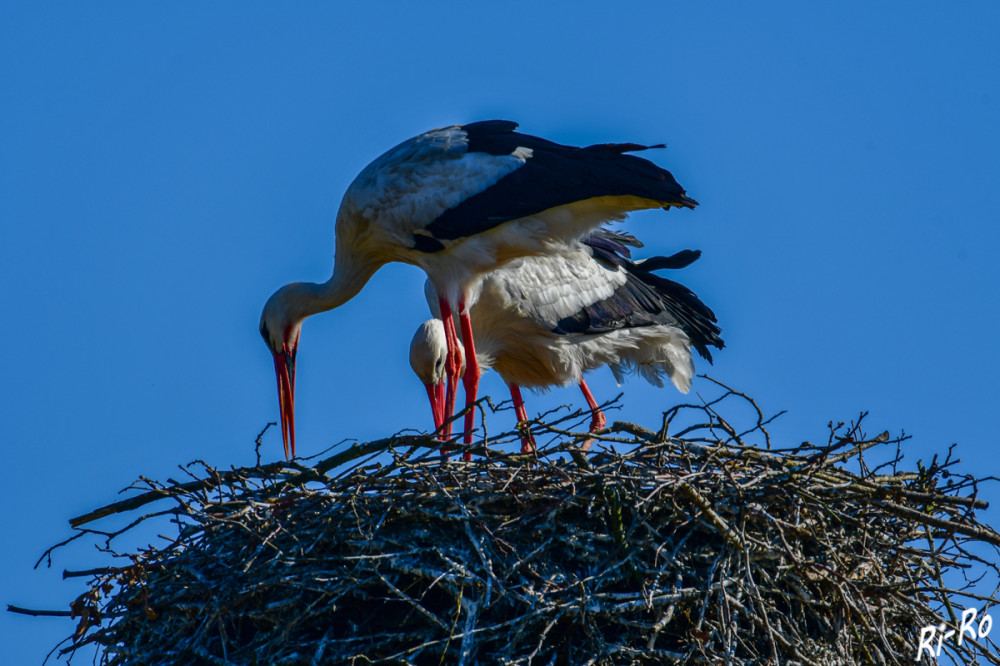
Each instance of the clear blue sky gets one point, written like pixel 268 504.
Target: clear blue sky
pixel 164 168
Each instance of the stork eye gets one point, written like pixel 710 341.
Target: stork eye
pixel 438 363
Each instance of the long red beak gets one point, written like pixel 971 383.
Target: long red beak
pixel 435 392
pixel 284 368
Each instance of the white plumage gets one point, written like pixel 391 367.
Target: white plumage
pixel 520 308
pixel 520 305
pixel 459 202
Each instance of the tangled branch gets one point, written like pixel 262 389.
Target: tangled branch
pixel 709 545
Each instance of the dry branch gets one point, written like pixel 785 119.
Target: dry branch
pixel 711 546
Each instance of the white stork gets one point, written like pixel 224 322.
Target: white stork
pixel 459 202
pixel 544 321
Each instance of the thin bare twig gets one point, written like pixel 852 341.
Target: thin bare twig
pixel 708 545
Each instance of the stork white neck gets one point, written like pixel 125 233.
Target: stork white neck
pixel 289 306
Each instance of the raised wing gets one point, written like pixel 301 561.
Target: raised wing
pixel 552 175
pixel 457 182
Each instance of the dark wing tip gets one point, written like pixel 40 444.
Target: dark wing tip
pixel 691 314
pixel 671 302
pixel 683 201
pixel 491 126
pixel 681 259
pixel 646 299
pixel 620 148
pixel 612 242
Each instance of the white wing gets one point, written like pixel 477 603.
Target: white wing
pixel 549 288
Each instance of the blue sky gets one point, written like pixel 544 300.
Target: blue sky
pixel 165 168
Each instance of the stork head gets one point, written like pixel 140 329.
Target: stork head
pixel 280 324
pixel 428 351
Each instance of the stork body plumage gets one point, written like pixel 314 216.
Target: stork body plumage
pixel 544 321
pixel 459 202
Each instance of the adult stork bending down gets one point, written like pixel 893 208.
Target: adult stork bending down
pixel 544 321
pixel 459 202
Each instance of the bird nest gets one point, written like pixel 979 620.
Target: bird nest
pixel 696 542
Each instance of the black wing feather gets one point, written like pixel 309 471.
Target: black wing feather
pixel 612 245
pixel 554 175
pixel 677 260
pixel 647 299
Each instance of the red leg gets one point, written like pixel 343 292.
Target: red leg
pixel 453 365
pixel 527 442
pixel 598 421
pixel 472 373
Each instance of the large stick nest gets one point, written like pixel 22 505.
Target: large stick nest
pixel 695 543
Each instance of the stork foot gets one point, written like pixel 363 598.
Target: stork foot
pixel 597 421
pixel 527 439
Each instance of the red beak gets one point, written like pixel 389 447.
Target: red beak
pixel 284 368
pixel 435 392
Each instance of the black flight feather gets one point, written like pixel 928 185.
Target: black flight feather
pixel 647 299
pixel 554 175
pixel 677 260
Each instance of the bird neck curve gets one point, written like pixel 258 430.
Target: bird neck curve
pixel 300 300
pixel 351 272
